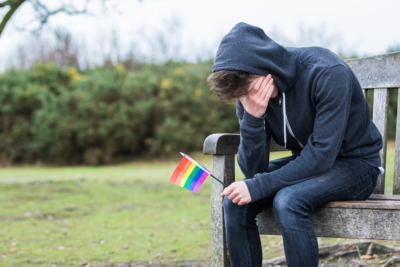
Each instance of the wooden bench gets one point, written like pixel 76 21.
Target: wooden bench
pixel 376 218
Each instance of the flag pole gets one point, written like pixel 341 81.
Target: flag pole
pixel 218 180
pixel 183 154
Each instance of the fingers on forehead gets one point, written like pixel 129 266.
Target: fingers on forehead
pixel 267 80
pixel 259 81
pixel 270 81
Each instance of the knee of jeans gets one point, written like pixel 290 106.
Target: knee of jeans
pixel 280 204
pixel 286 203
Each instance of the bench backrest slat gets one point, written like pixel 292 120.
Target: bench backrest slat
pixel 364 93
pixel 396 178
pixel 381 71
pixel 381 102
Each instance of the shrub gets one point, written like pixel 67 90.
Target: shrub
pixel 101 115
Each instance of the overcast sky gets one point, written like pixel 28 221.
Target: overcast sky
pixel 352 26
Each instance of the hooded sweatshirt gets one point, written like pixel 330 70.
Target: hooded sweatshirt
pixel 320 113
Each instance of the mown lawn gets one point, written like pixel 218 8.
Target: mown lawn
pixel 69 216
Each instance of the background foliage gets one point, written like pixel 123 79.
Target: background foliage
pixel 59 115
pixel 105 114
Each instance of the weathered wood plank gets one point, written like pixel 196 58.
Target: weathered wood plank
pixel 368 204
pixel 224 169
pixel 225 144
pixel 364 93
pixel 221 144
pixel 378 71
pixel 396 177
pixel 343 223
pixel 384 197
pixel 381 101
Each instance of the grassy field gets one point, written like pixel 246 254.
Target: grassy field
pixel 69 216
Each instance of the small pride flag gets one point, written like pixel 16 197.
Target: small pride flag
pixel 189 174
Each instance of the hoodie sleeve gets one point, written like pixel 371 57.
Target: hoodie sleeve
pixel 253 153
pixel 332 97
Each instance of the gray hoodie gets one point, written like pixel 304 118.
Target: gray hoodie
pixel 320 113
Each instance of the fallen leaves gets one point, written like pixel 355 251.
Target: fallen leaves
pixel 369 257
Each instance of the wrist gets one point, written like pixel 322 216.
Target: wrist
pixel 239 109
pixel 257 121
pixel 256 114
pixel 254 188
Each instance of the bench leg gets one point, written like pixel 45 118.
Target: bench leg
pixel 224 169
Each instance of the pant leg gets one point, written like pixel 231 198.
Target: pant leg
pixel 348 179
pixel 243 238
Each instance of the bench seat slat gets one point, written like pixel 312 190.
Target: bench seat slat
pixel 384 197
pixel 343 223
pixel 368 204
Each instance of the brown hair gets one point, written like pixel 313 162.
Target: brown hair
pixel 229 84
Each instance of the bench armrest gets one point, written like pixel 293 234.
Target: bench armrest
pixel 226 143
pixel 221 144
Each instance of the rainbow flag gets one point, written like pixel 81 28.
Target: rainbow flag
pixel 189 174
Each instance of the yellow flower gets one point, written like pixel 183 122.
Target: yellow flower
pixel 197 92
pixel 74 74
pixel 165 83
pixel 120 67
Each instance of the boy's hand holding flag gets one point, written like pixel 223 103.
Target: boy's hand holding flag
pixel 238 193
pixel 190 175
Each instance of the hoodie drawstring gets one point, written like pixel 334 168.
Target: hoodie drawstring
pixel 284 119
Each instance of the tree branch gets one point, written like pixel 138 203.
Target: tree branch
pixel 9 14
pixel 9 3
pixel 42 11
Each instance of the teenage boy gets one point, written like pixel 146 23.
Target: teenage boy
pixel 308 100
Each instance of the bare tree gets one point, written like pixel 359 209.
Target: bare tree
pixel 43 12
pixel 165 43
pixel 59 48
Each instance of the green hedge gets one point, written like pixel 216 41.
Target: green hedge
pixel 102 115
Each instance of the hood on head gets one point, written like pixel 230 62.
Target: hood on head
pixel 248 48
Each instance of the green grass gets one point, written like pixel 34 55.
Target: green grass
pixel 99 215
pixel 124 213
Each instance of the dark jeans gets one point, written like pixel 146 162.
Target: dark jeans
pixel 348 179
